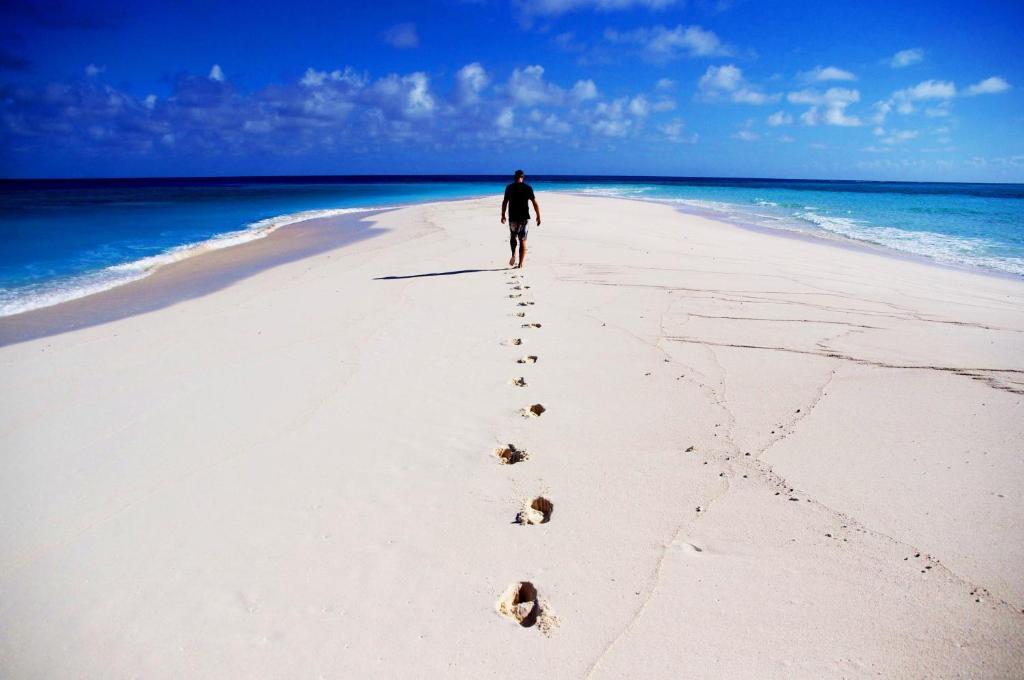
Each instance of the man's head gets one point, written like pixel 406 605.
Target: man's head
pixel 520 176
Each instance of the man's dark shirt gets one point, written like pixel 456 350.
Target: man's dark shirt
pixel 518 195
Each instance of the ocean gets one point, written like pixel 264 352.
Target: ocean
pixel 65 239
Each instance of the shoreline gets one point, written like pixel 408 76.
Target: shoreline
pixel 825 236
pixel 194 276
pixel 313 466
pixel 131 297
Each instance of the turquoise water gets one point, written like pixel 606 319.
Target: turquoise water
pixel 66 239
pixel 65 242
pixel 976 226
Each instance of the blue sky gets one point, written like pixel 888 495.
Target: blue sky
pixel 858 90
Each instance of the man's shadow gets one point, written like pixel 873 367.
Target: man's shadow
pixel 451 273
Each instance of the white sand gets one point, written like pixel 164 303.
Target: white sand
pixel 296 477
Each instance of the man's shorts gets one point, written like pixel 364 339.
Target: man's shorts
pixel 519 228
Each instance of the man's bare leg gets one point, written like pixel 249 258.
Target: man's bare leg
pixel 522 252
pixel 512 242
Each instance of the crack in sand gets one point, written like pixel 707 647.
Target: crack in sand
pixel 849 521
pixel 653 583
pixel 756 318
pixel 756 297
pixel 716 392
pixel 974 373
pixel 778 481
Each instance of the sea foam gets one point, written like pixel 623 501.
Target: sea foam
pixel 948 249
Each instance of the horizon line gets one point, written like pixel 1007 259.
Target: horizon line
pixel 489 176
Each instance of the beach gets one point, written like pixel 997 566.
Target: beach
pixel 759 456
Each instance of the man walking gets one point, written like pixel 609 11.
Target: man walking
pixel 518 196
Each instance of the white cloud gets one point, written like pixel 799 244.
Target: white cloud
pixel 665 84
pixel 661 44
pixel 216 74
pixel 746 131
pixel 419 99
pixel 927 89
pixel 993 85
pixel 748 96
pixel 726 77
pixel 779 118
pixel 343 111
pixel 402 36
pixel 664 104
pixel 583 90
pixel 556 7
pixel 831 96
pixel 555 126
pixel 899 136
pixel 820 74
pixel 837 116
pixel 834 115
pixel 610 118
pixel 314 78
pixel 906 57
pixel 409 94
pixel 470 81
pixel 348 77
pixel 673 130
pixel 92 70
pixel 527 86
pixel 611 128
pixel 882 110
pixel 727 81
pixel 506 119
pixel 786 139
pixel 639 106
pixel 828 107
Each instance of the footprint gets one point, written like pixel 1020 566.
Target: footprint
pixel 516 295
pixel 691 548
pixel 522 603
pixel 513 341
pixel 518 287
pixel 534 410
pixel 519 382
pixel 531 325
pixel 538 511
pixel 520 314
pixel 510 455
pixel 531 359
pixel 524 304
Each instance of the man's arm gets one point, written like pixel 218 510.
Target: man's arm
pixel 536 209
pixel 504 204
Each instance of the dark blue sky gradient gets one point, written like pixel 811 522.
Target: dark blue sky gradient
pixel 112 89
